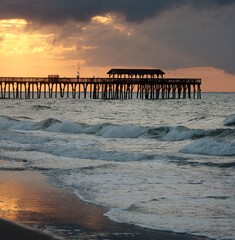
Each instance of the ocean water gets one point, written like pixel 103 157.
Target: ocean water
pixel 161 164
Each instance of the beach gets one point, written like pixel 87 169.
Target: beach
pixel 35 208
pixel 85 169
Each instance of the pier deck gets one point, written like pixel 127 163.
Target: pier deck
pixel 95 88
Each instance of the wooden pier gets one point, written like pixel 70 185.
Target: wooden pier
pixel 121 84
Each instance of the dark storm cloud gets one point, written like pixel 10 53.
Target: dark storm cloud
pixel 59 11
pixel 184 37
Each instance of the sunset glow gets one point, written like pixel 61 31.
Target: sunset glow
pixel 13 23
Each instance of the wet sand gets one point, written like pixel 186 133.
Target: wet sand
pixel 27 199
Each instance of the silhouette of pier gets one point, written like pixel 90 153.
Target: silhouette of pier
pixel 121 84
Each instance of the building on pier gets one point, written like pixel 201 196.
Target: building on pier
pixel 135 73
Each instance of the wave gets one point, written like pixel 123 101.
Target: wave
pixel 220 165
pixel 17 124
pixel 224 162
pixel 41 107
pixel 210 146
pixel 181 133
pixel 178 133
pixel 230 120
pixel 108 130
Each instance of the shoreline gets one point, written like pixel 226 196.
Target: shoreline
pixel 29 200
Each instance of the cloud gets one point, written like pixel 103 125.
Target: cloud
pixel 179 38
pixel 154 33
pixel 60 11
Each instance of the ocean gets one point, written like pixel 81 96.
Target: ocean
pixel 161 164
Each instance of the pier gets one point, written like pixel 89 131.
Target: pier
pixel 120 84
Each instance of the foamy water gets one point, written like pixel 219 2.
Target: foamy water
pixel 163 164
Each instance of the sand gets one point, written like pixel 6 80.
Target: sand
pixel 27 199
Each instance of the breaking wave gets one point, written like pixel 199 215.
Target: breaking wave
pixel 107 130
pixel 230 120
pixel 210 146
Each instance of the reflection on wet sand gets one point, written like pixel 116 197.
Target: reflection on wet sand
pixel 27 198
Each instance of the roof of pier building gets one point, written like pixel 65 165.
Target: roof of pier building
pixel 135 72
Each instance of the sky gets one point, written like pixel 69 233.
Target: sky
pixel 184 38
